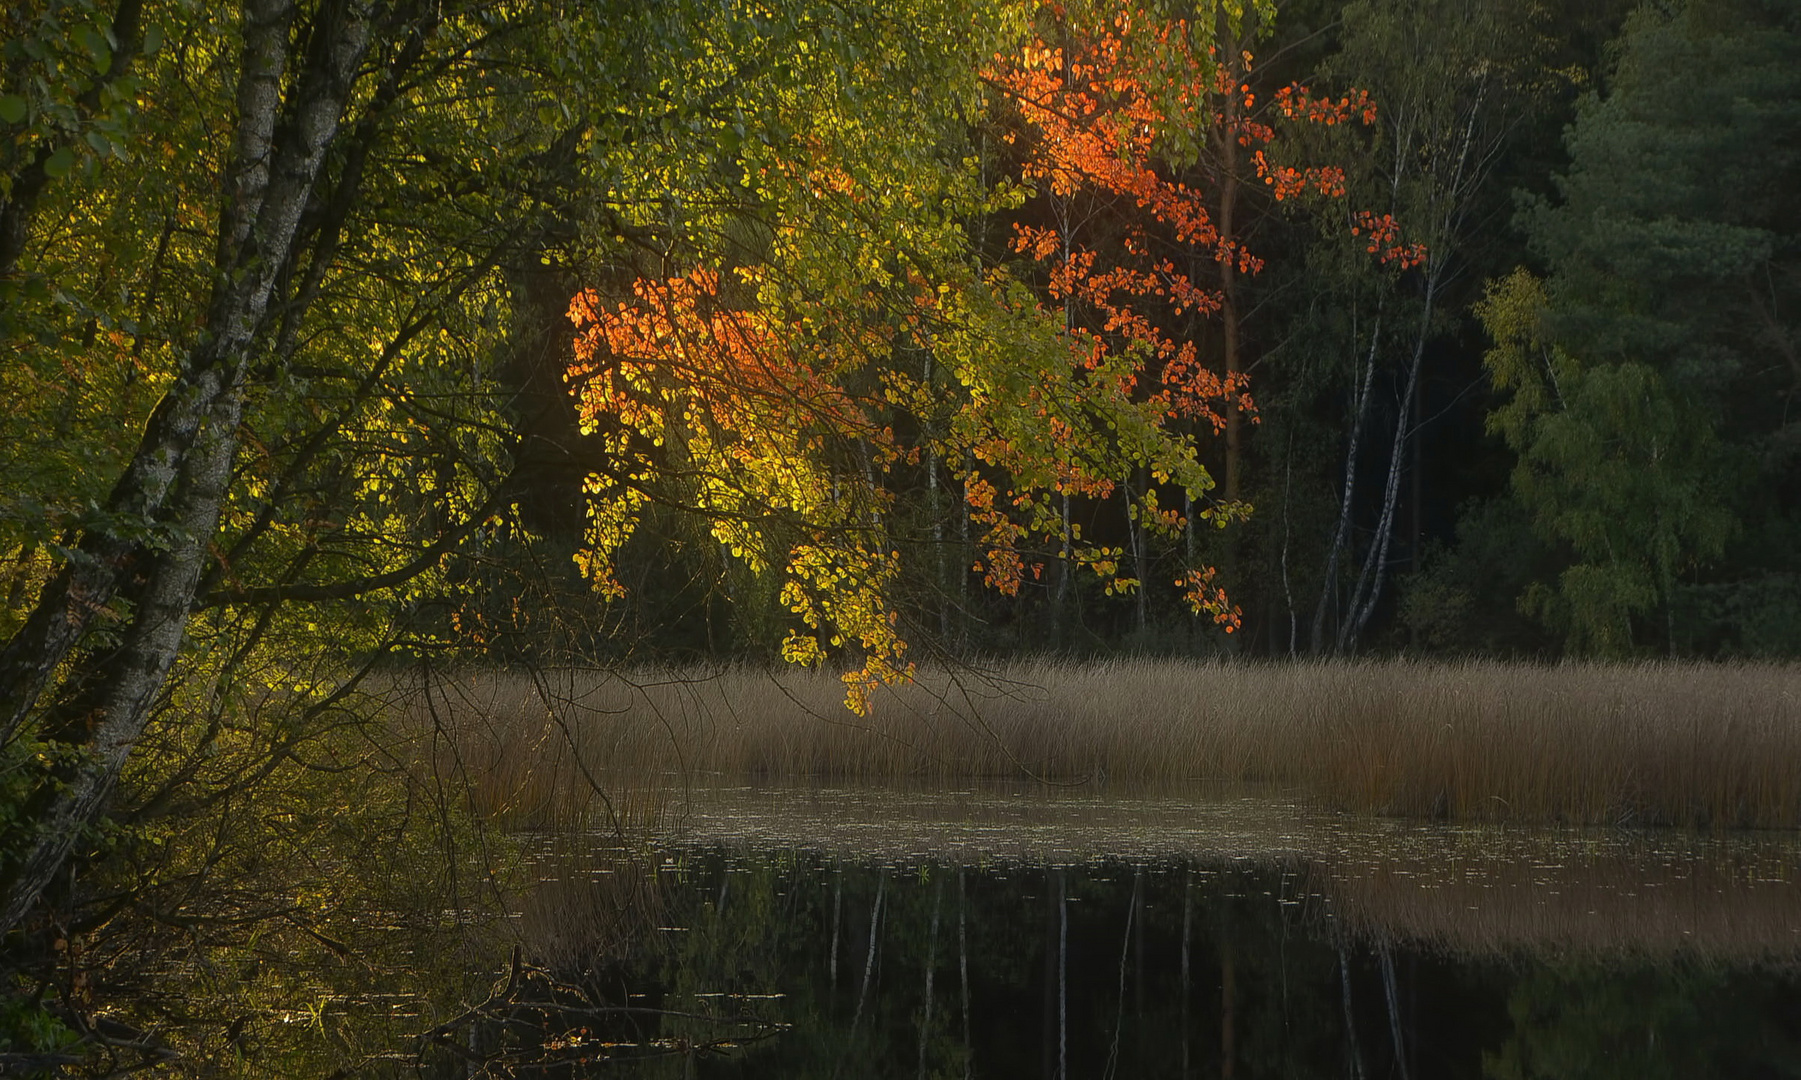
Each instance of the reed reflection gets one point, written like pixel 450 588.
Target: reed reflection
pixel 1449 954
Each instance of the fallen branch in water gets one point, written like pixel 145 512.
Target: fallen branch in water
pixel 554 1010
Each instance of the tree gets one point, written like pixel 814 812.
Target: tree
pixel 1158 161
pixel 1647 378
pixel 1608 465
pixel 1455 82
pixel 1103 106
pixel 327 461
pixel 783 389
pixel 310 303
pixel 167 502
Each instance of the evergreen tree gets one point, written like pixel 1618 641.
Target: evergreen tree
pixel 1649 381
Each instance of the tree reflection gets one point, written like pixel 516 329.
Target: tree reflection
pixel 1155 970
pixel 719 962
pixel 1648 1022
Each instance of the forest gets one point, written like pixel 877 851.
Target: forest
pixel 348 347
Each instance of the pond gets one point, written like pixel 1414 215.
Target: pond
pixel 1070 934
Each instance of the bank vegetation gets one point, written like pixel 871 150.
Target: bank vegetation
pixel 1622 744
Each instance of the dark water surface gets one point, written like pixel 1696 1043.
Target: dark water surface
pixel 993 934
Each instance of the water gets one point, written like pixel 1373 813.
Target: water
pixel 820 933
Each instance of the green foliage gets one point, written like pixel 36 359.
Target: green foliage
pixel 1464 599
pixel 1671 222
pixel 1637 379
pixel 27 1027
pixel 1759 615
pixel 823 324
pixel 1651 1023
pixel 1609 465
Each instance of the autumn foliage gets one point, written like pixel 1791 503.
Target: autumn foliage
pixel 1104 112
pixel 771 394
pixel 1093 128
pixel 742 411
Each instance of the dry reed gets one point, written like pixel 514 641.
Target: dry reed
pixel 1652 743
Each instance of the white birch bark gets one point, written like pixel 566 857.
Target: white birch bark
pixel 177 480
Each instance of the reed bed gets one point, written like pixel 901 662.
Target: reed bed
pixel 1653 743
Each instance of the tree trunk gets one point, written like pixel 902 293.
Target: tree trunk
pixel 837 912
pixel 1064 570
pixel 1141 560
pixel 1228 264
pixel 1287 589
pixel 875 938
pixel 176 482
pixel 1451 200
pixel 1394 1008
pixel 1375 564
pixel 1341 533
pixel 108 716
pixel 1228 1011
pixel 940 571
pixel 1062 978
pixel 1350 1018
pixel 1187 936
pixel 925 1016
pixel 963 973
pixel 1047 1022
pixel 965 555
pixel 1234 360
pixel 1133 922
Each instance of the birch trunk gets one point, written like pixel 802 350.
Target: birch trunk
pixel 176 483
pixel 1449 205
pixel 1375 564
pixel 106 559
pixel 1342 531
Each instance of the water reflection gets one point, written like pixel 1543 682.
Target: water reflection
pixel 988 935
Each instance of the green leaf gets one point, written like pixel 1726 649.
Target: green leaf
pixel 59 163
pixel 97 48
pixel 12 108
pixel 153 40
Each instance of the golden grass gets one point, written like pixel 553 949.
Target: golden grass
pixel 1646 743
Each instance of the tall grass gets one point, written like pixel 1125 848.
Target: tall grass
pixel 1650 743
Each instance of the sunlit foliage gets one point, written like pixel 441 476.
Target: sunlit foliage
pixel 840 328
